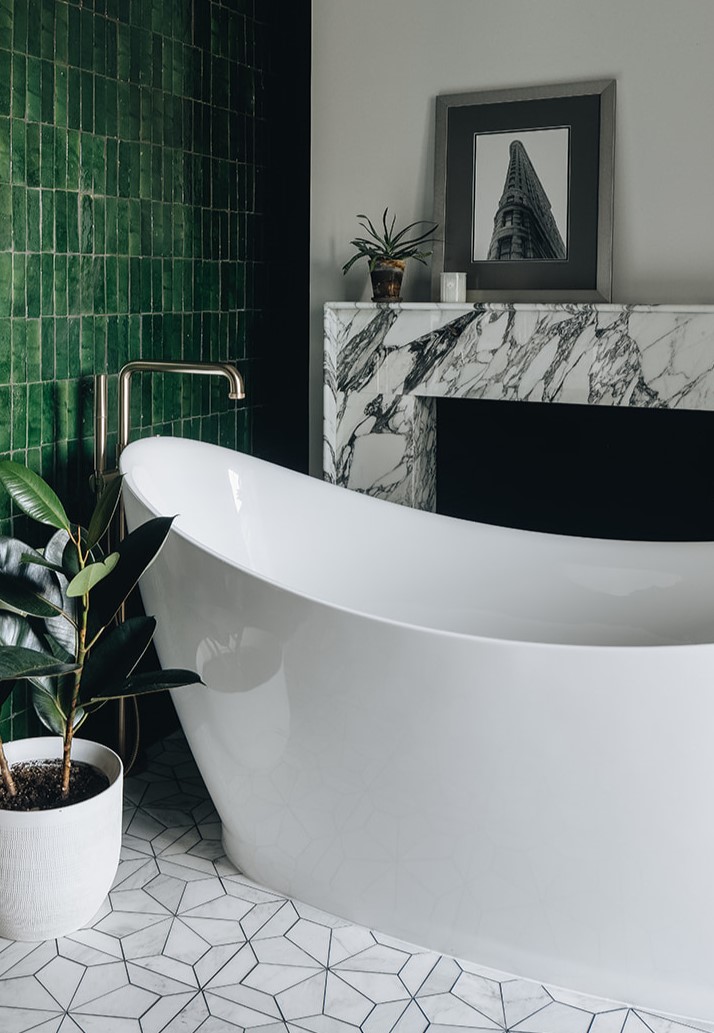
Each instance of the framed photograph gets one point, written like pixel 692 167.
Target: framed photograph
pixel 523 192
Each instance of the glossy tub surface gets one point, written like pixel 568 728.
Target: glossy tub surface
pixel 490 742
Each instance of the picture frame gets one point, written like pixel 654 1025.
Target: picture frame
pixel 523 192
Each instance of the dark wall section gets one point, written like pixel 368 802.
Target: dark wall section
pixel 580 470
pixel 281 421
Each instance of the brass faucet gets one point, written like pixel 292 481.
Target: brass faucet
pixel 236 390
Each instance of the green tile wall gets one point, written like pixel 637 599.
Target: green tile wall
pixel 131 161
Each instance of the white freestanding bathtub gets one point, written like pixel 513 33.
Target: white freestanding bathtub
pixel 494 743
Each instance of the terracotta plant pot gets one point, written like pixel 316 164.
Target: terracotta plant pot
pixel 57 866
pixel 387 277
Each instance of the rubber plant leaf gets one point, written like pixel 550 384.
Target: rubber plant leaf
pixel 17 631
pixel 40 561
pixel 136 554
pixel 150 681
pixel 19 662
pixel 63 628
pixel 15 559
pixel 91 575
pixel 18 595
pixel 50 713
pixel 103 512
pixel 32 495
pixel 116 655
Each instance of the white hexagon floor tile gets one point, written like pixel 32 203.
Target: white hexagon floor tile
pixel 186 944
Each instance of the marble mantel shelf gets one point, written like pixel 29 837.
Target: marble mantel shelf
pixel 385 364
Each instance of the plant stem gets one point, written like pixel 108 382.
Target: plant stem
pixel 6 774
pixel 81 652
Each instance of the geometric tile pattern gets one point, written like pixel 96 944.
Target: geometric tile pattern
pixel 185 943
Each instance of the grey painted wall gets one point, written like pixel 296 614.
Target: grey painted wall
pixel 378 64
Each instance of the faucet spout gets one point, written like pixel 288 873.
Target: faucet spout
pixel 236 388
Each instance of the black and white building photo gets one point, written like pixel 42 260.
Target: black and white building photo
pixel 521 195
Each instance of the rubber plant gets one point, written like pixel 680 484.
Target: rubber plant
pixel 59 626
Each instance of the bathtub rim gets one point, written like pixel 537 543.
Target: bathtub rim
pixel 618 649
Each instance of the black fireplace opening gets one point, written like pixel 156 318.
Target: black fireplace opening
pixel 596 471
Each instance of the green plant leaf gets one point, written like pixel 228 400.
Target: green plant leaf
pixel 50 713
pixel 91 575
pixel 18 595
pixel 40 561
pixel 150 681
pixel 113 659
pixel 18 631
pixel 137 552
pixel 19 662
pixel 104 511
pixel 63 628
pixel 32 495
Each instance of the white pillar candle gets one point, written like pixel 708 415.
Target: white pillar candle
pixel 453 286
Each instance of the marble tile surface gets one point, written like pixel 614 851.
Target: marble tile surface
pixel 385 364
pixel 185 943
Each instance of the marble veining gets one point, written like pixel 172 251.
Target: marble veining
pixel 384 365
pixel 185 943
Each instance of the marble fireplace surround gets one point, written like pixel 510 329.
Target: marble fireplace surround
pixel 385 365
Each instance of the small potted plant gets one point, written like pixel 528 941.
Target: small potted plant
pixel 388 251
pixel 61 631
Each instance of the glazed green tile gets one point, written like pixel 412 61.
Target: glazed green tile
pixel 87 101
pixel 98 277
pixel 74 98
pixel 19 304
pixel 86 39
pixel 32 198
pixel 5 73
pixel 74 342
pixel 122 284
pixel 134 228
pixel 60 40
pixel 73 219
pixel 86 348
pixel 19 85
pixel 32 155
pixel 18 151
pixel 60 96
pixel 62 365
pixel 73 159
pixel 111 280
pixel 86 284
pixel 47 156
pixel 47 333
pixel 47 285
pixel 32 285
pixel 6 298
pixel 34 415
pixel 6 219
pixel 86 242
pixel 60 151
pixel 122 247
pixel 47 220
pixel 5 150
pixel 100 343
pixel 28 333
pixel 19 416
pixel 73 37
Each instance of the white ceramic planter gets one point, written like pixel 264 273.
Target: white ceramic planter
pixel 56 867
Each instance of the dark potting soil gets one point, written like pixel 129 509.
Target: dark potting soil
pixel 38 785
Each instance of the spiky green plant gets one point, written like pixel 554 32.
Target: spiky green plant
pixel 388 244
pixel 58 610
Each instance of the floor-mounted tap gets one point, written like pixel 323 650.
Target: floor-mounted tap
pixel 236 390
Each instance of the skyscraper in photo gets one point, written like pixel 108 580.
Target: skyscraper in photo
pixel 524 226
